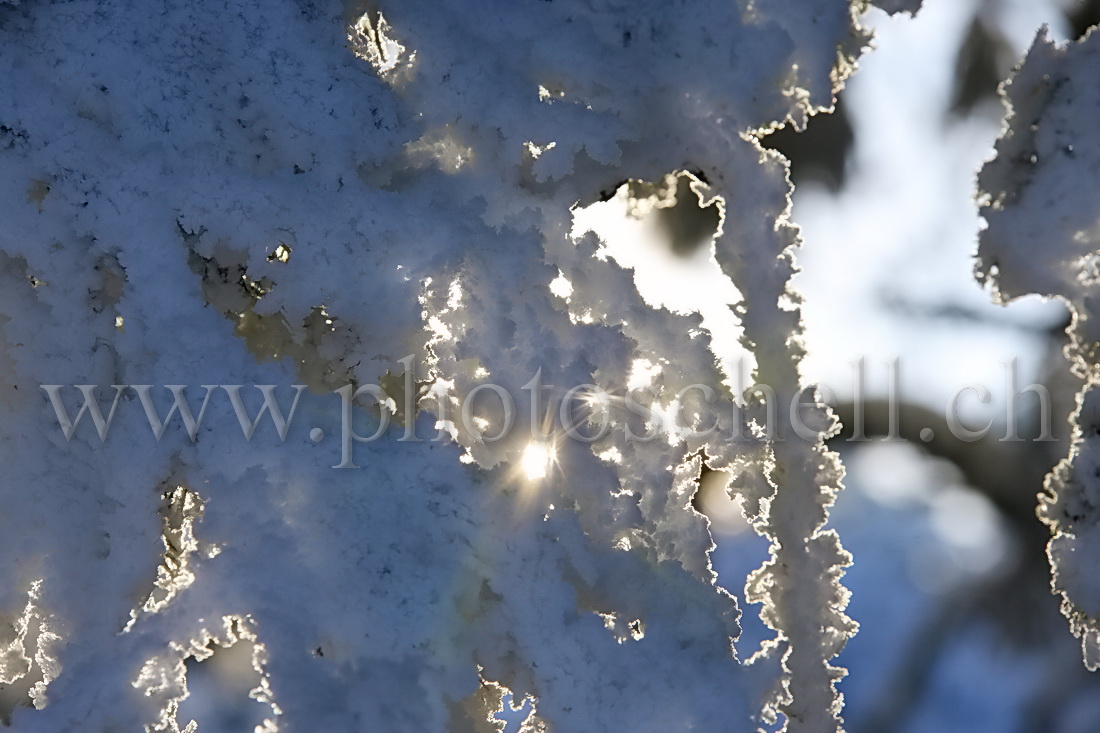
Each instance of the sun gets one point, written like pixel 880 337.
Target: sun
pixel 537 458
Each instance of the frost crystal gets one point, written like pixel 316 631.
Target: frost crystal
pixel 271 193
pixel 1041 198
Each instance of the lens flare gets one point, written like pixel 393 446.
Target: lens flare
pixel 536 460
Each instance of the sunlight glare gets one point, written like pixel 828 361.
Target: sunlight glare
pixel 536 460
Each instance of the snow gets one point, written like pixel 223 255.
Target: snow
pixel 299 193
pixel 1039 199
